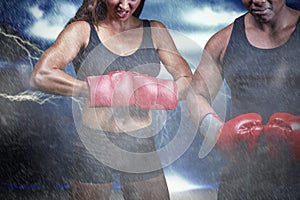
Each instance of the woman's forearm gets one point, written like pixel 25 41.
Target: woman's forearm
pixel 55 81
pixel 183 84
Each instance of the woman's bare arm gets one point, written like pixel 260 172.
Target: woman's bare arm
pixel 48 75
pixel 171 58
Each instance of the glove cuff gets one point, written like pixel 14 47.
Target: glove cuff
pixel 210 123
pixel 209 128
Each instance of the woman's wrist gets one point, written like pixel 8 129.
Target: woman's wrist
pixel 81 89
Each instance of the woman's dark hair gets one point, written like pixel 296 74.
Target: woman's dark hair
pixel 139 9
pixel 95 10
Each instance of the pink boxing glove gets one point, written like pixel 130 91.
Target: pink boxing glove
pixel 112 89
pixel 283 129
pixel 154 93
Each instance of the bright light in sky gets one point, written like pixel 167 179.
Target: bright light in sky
pixel 44 27
pixel 206 16
pixel 178 184
pixel 199 39
pixel 209 20
pixel 36 12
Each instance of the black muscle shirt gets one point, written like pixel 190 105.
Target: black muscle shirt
pixel 262 80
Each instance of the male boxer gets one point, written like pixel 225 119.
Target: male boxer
pixel 258 57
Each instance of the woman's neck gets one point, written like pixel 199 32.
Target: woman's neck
pixel 118 25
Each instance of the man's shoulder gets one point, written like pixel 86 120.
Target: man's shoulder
pixel 219 41
pixel 223 34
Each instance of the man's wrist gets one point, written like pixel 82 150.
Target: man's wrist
pixel 211 121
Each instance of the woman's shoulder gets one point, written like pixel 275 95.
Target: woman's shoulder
pixel 78 26
pixel 157 24
pixel 78 30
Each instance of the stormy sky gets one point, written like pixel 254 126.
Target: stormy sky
pixel 29 26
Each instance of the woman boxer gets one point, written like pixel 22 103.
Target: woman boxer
pixel 117 57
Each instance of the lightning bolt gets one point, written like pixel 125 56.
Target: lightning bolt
pixel 23 43
pixel 29 95
pixel 37 97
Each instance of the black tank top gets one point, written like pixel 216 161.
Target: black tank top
pixel 262 80
pixel 96 59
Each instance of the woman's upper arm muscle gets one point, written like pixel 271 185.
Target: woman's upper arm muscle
pixel 47 74
pixel 168 52
pixel 66 46
pixel 175 64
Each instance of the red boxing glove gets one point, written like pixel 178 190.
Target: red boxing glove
pixel 283 128
pixel 154 93
pixel 112 89
pixel 243 128
pixel 228 136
